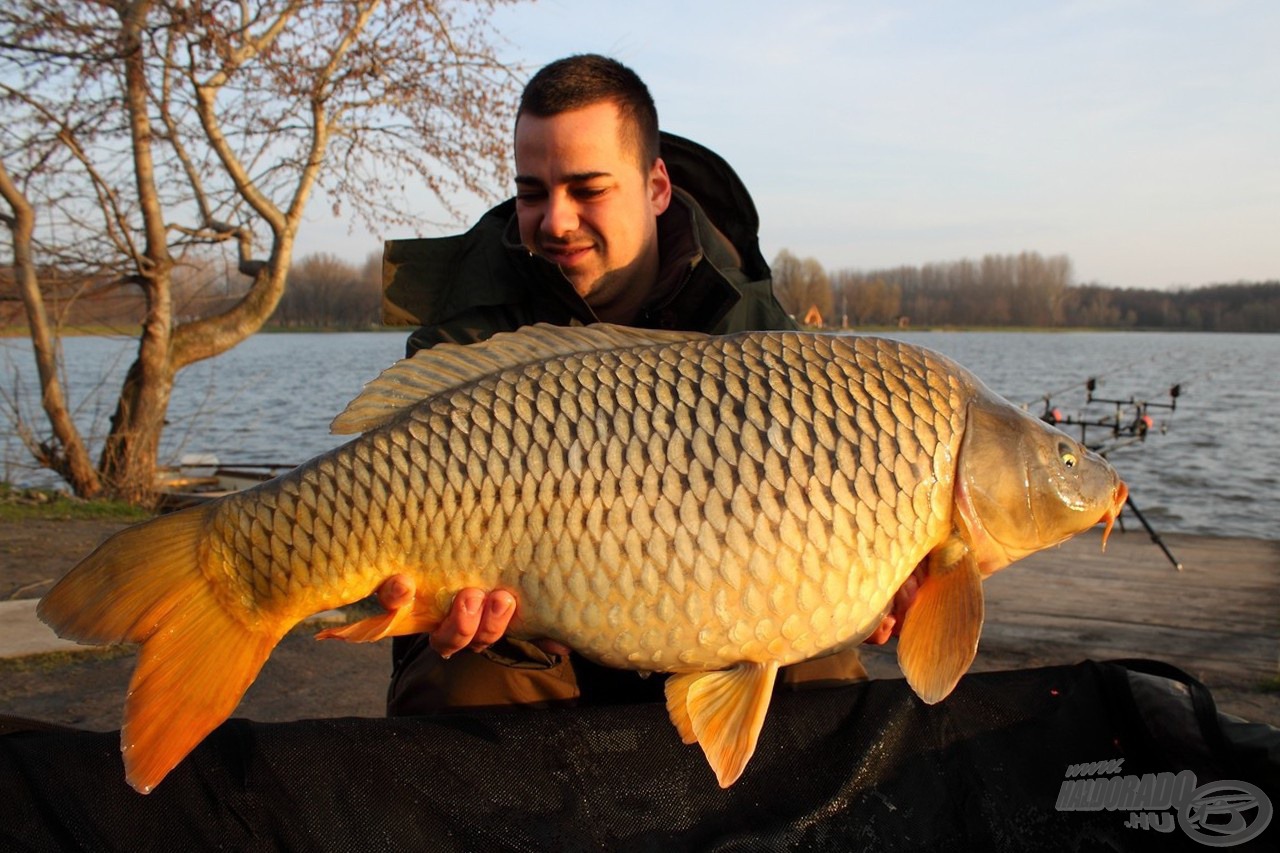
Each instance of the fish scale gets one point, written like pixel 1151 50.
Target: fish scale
pixel 752 549
pixel 713 507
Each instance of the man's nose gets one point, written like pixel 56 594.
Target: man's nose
pixel 561 216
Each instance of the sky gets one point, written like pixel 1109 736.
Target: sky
pixel 1141 139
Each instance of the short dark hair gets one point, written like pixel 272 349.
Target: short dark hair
pixel 586 79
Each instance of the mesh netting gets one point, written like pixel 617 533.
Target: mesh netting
pixel 866 766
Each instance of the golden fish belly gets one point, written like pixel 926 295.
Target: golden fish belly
pixel 682 506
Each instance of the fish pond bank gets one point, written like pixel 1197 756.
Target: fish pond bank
pixel 1218 619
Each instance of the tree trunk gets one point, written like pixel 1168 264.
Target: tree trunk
pixel 129 455
pixel 132 447
pixel 68 457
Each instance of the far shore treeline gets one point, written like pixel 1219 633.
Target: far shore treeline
pixel 1026 290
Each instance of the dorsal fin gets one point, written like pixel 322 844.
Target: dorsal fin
pixel 446 366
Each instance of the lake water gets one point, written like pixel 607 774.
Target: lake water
pixel 1210 467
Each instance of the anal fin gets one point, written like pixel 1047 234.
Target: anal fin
pixel 939 638
pixel 723 712
pixel 391 623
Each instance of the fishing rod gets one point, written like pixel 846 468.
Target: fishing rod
pixel 1130 423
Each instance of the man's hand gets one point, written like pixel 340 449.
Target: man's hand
pixel 476 619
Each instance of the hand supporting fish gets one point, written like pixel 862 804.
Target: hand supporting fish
pixel 711 507
pixel 477 619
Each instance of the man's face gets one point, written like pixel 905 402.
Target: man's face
pixel 586 204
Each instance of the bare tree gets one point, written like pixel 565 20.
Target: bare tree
pixel 1025 289
pixel 801 285
pixel 145 136
pixel 326 292
pixel 866 300
pixel 815 289
pixel 786 281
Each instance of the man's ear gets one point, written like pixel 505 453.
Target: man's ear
pixel 659 187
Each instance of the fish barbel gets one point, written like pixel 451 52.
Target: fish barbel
pixel 713 507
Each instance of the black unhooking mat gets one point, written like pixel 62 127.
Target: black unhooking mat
pixel 1023 760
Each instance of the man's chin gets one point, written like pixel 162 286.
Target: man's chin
pixel 584 282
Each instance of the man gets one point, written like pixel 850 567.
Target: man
pixel 598 232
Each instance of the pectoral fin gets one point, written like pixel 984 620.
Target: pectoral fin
pixel 940 632
pixel 723 712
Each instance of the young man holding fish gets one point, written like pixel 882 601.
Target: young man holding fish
pixel 598 232
pixel 663 500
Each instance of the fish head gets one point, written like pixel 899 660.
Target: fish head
pixel 1023 486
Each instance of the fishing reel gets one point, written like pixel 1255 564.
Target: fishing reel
pixel 1130 422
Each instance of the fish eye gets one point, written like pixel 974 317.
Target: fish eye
pixel 1068 456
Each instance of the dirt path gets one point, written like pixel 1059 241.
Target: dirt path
pixel 303 678
pixel 35 553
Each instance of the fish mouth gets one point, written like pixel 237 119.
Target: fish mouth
pixel 1113 512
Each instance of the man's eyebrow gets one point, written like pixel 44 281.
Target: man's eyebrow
pixel 576 177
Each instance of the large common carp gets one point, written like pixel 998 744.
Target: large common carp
pixel 714 507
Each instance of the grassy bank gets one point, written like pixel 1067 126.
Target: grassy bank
pixel 18 504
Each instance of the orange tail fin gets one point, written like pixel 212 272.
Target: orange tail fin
pixel 144 585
